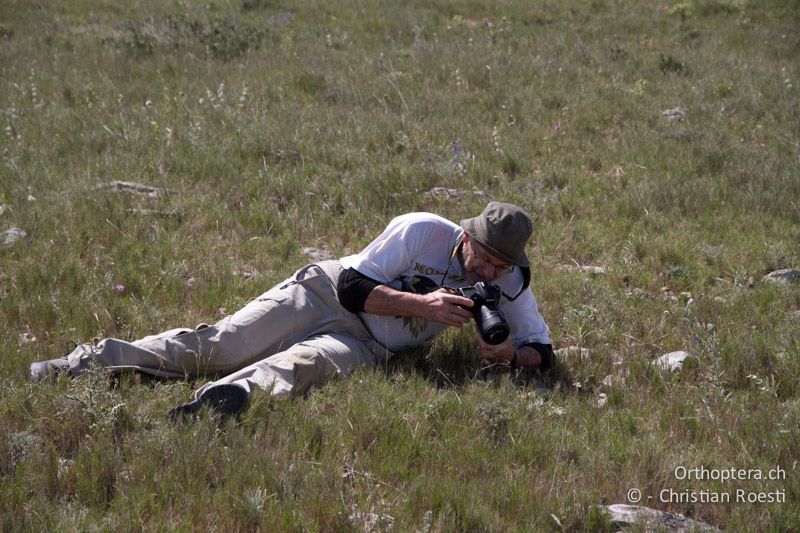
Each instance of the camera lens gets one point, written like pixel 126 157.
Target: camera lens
pixel 492 326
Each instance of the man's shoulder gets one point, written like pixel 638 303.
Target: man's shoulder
pixel 425 218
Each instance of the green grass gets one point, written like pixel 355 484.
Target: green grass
pixel 275 125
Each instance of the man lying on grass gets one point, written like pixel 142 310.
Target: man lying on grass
pixel 422 274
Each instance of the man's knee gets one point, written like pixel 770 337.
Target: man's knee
pixel 309 368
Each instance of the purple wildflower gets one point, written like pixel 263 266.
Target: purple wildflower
pixel 457 152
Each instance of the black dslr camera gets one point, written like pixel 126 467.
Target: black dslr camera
pixel 490 321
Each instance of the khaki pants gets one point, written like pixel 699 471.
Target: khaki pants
pixel 291 337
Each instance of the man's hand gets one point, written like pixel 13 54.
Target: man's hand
pixel 503 353
pixel 496 353
pixel 444 307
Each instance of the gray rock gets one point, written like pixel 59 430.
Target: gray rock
pixel 601 399
pixel 135 188
pixel 674 361
pixel 784 276
pixel 26 338
pixel 12 235
pixel 452 194
pixel 318 254
pixel 594 270
pixel 653 519
pixel 676 113
pixel 245 271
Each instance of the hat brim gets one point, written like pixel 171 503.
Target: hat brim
pixel 470 228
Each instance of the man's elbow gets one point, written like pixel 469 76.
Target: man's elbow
pixel 353 288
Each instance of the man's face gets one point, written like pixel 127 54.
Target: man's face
pixel 480 264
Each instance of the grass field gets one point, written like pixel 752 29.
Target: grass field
pixel 268 126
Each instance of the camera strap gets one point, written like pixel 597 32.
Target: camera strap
pixel 526 281
pixel 456 249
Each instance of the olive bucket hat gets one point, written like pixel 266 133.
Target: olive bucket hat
pixel 503 229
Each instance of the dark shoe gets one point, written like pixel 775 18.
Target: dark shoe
pixel 185 411
pixel 226 400
pixel 45 369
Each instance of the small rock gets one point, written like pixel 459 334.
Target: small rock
pixel 135 188
pixel 318 254
pixel 571 352
pixel 593 270
pixel 784 276
pixel 586 269
pixel 12 235
pixel 26 338
pixel 653 519
pixel 601 399
pixel 674 361
pixel 676 113
pixel 247 272
pixel 452 194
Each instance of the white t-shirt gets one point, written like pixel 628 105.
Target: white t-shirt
pixel 414 254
